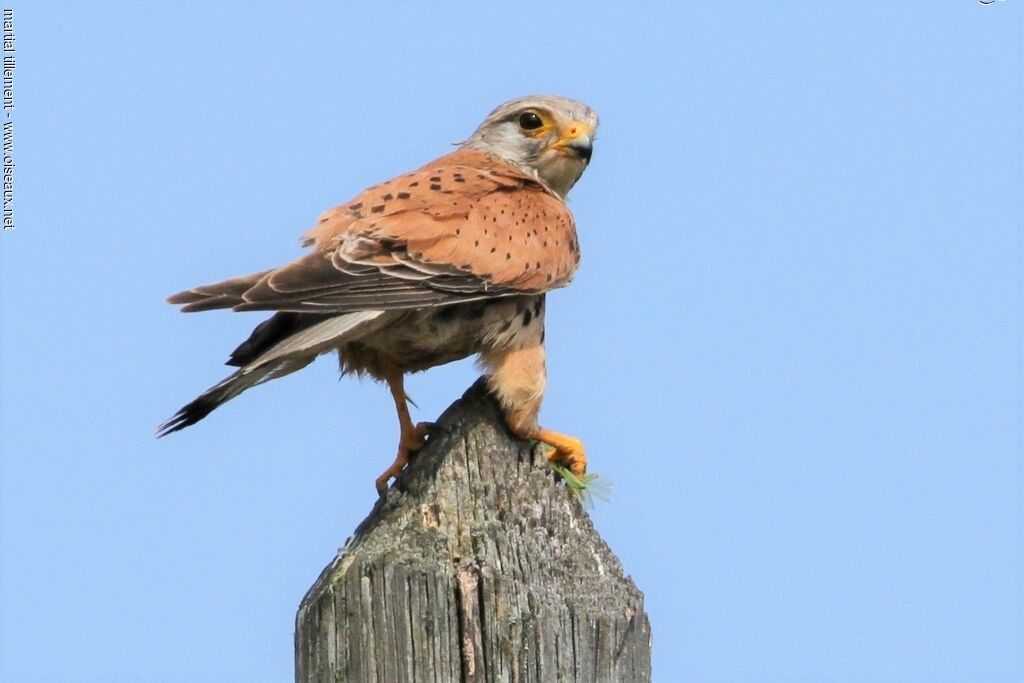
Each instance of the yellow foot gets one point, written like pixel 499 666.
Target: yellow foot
pixel 417 437
pixel 568 451
pixel 408 445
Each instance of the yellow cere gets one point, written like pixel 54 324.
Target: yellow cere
pixel 576 129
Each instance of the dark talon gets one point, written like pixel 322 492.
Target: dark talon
pixel 429 429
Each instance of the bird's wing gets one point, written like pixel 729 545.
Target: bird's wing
pixel 463 227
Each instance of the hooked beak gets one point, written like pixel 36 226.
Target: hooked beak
pixel 576 139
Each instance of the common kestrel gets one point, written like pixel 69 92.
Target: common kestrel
pixel 450 260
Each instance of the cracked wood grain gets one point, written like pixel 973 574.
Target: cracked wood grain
pixel 476 567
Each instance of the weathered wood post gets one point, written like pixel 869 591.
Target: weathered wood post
pixel 480 568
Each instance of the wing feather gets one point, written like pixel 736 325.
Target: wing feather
pixel 464 227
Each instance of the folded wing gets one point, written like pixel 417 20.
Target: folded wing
pixel 466 226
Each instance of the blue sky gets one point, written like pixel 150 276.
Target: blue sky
pixel 794 343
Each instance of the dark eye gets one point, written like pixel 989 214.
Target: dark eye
pixel 530 121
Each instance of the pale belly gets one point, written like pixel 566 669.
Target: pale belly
pixel 425 338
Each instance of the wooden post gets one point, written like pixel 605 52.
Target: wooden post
pixel 478 567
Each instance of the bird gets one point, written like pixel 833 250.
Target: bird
pixel 451 260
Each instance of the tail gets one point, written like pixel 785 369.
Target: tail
pixel 277 347
pixel 225 390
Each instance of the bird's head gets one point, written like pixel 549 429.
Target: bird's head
pixel 549 137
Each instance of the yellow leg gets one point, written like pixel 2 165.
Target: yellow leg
pixel 568 450
pixel 517 378
pixel 412 436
